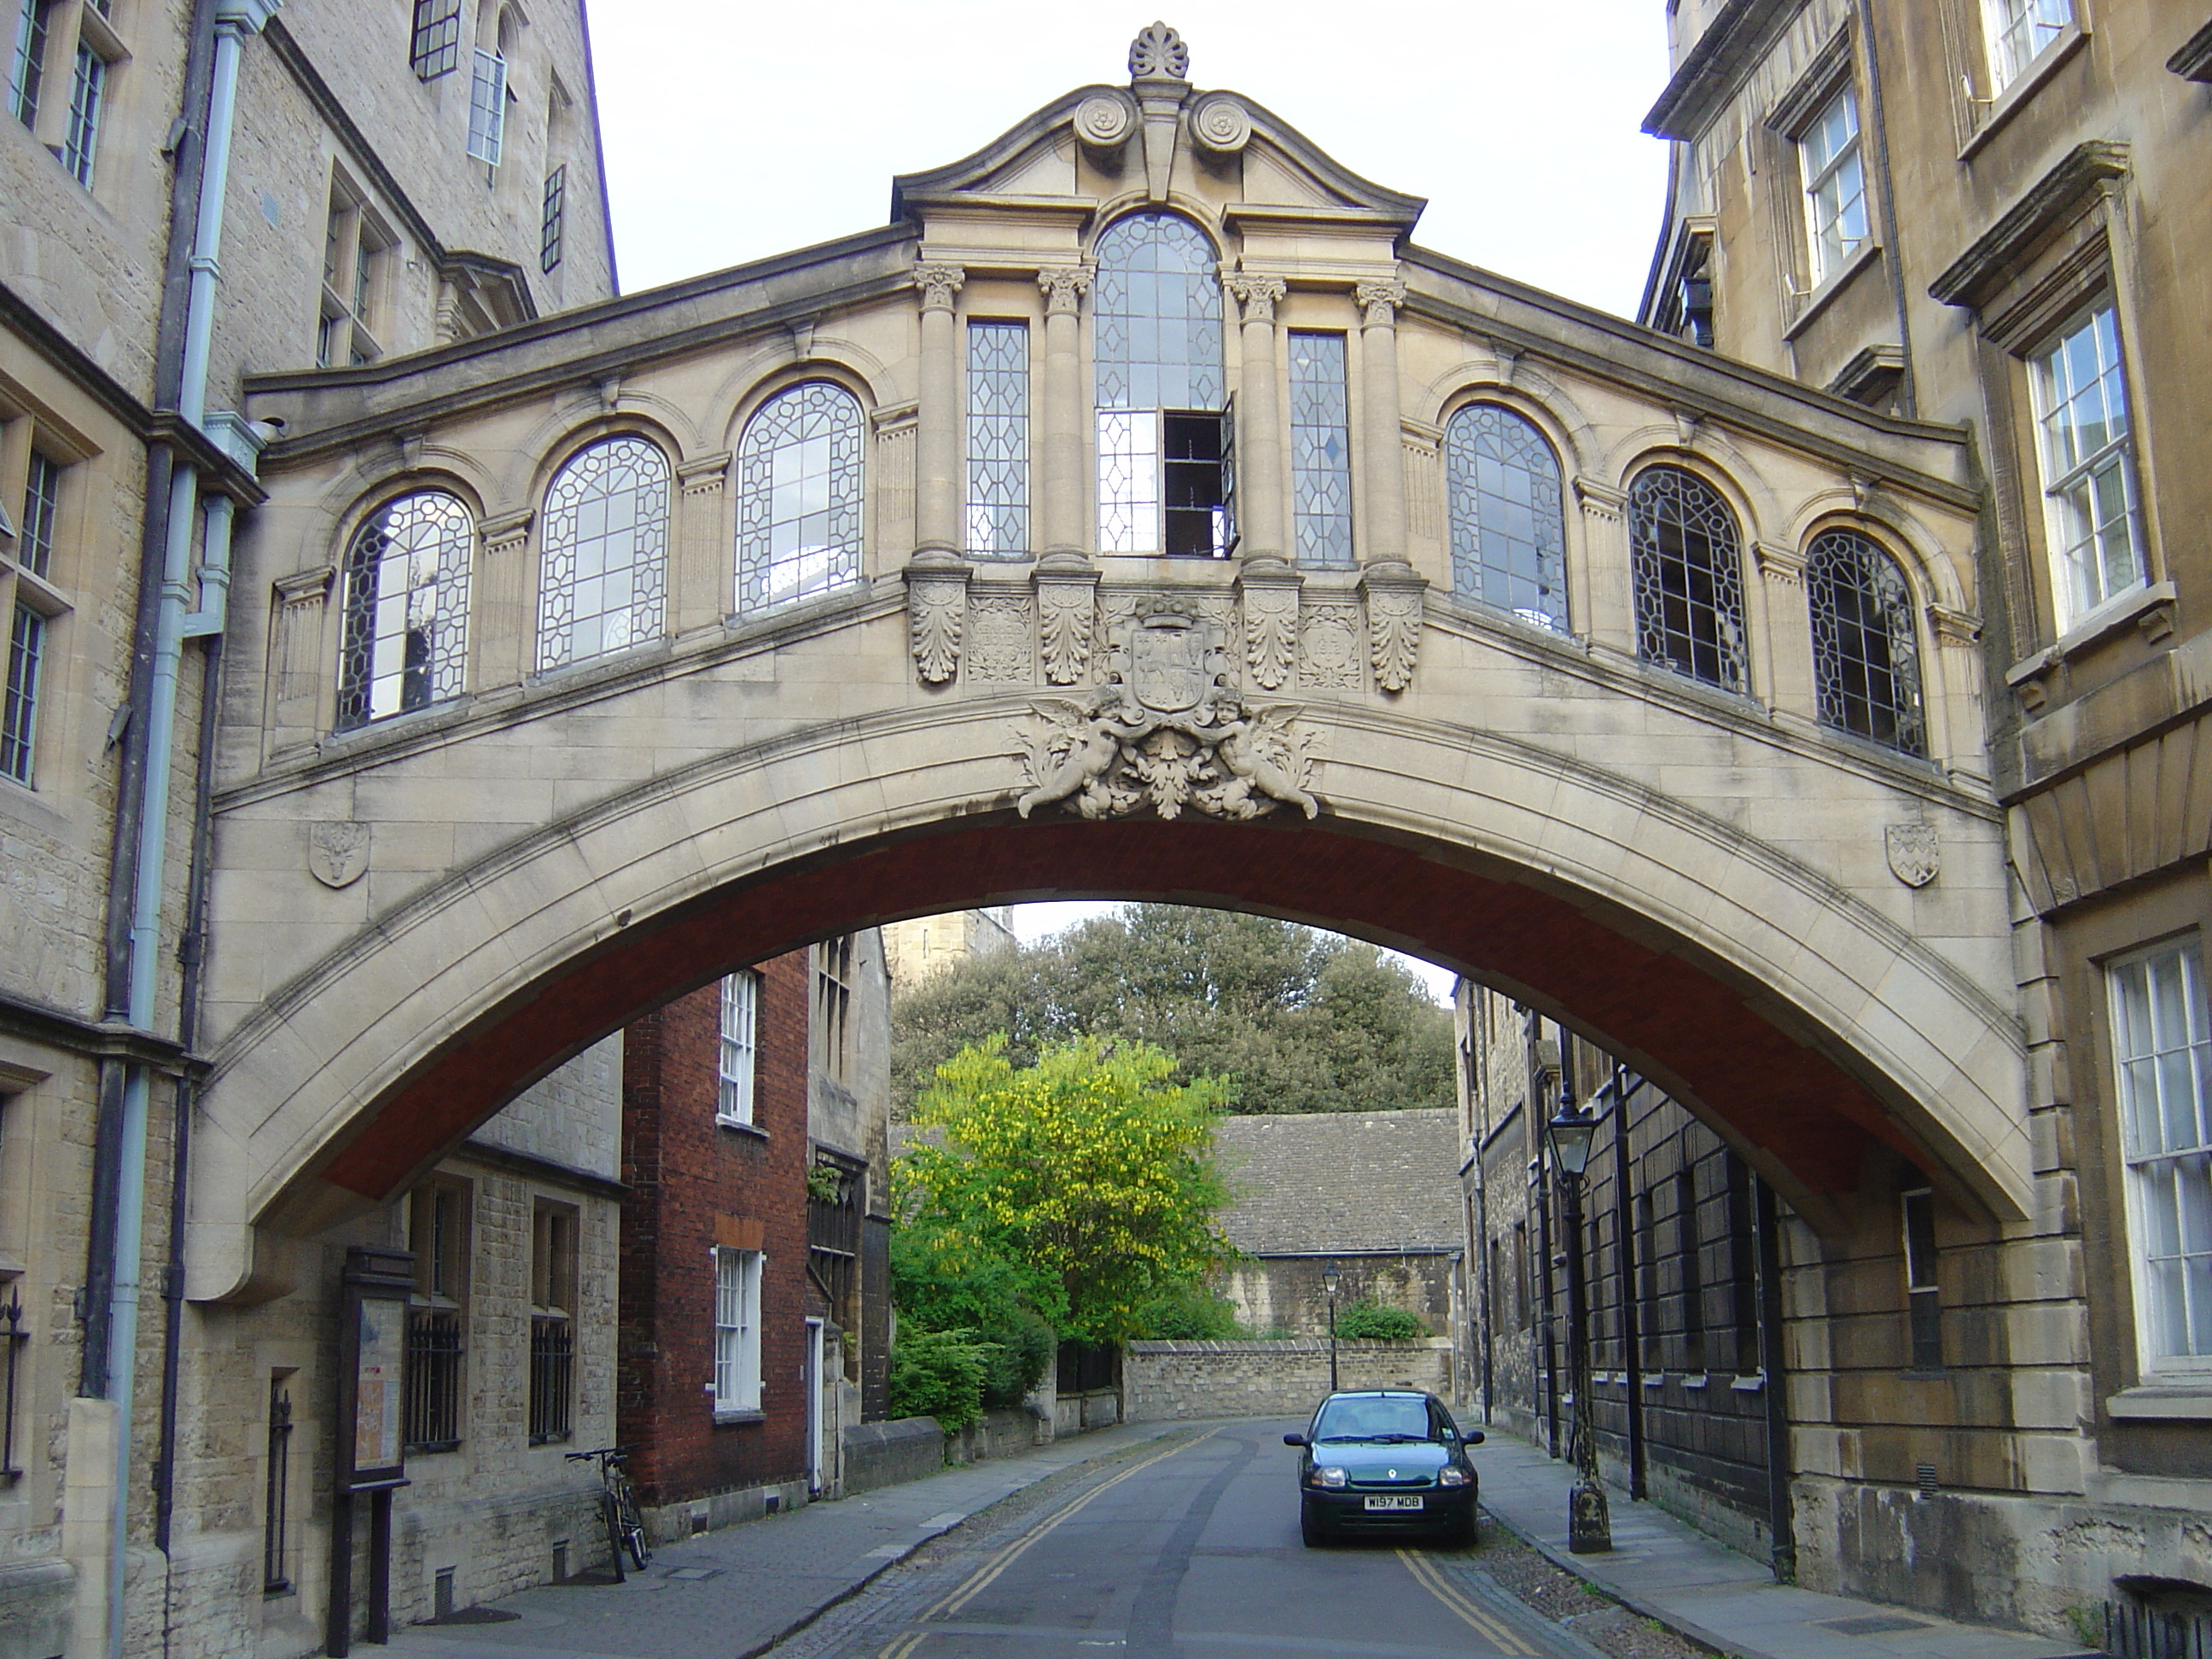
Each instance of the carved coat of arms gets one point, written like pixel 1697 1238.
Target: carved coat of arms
pixel 337 853
pixel 1165 732
pixel 1915 855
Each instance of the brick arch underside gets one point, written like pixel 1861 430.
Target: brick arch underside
pixel 1812 1123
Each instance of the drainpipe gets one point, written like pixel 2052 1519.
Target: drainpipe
pixel 234 20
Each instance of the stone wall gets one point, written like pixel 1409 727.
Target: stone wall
pixel 1161 1381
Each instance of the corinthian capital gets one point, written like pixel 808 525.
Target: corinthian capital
pixel 1379 301
pixel 939 284
pixel 1257 295
pixel 1064 288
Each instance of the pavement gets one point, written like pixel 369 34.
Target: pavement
pixel 1664 1569
pixel 739 1591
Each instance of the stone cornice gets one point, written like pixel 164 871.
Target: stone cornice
pixel 1996 254
pixel 2193 62
pixel 1731 46
pixel 531 1167
pixel 56 1028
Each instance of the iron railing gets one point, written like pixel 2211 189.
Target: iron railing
pixel 434 1379
pixel 275 1517
pixel 552 1377
pixel 13 1336
pixel 2133 1631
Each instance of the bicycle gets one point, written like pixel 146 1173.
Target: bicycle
pixel 617 1507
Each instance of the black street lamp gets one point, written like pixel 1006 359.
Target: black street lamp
pixel 1329 1289
pixel 1589 1519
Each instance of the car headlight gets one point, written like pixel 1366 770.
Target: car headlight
pixel 1327 1474
pixel 1452 1475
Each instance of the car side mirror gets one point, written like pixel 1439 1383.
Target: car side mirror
pixel 1294 1440
pixel 1472 1437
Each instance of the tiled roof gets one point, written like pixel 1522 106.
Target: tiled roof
pixel 1354 1182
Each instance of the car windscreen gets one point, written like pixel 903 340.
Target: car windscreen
pixel 1374 1419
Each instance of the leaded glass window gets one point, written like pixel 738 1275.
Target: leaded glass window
pixel 1509 535
pixel 1688 567
pixel 434 47
pixel 2089 465
pixel 1320 450
pixel 1156 348
pixel 406 609
pixel 1866 650
pixel 998 439
pixel 605 550
pixel 799 497
pixel 2163 1050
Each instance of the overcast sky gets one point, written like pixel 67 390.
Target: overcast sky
pixel 735 132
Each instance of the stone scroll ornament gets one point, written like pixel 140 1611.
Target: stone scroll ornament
pixel 1165 732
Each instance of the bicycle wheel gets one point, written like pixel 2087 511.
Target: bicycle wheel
pixel 632 1523
pixel 610 1512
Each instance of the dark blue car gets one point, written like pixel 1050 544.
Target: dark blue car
pixel 1385 1461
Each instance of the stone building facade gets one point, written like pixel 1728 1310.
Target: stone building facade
pixel 344 219
pixel 1993 215
pixel 923 944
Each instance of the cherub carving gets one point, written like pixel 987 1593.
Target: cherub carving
pixel 1072 754
pixel 1262 754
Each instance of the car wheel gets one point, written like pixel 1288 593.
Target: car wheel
pixel 1312 1529
pixel 1461 1534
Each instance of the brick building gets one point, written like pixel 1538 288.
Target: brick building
pixel 754 1317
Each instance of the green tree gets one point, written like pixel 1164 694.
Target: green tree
pixel 942 1279
pixel 1088 1174
pixel 1289 1019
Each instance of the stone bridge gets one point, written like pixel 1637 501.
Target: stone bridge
pixel 1140 515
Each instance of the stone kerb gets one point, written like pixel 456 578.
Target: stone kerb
pixel 1168 1380
pixel 293 1078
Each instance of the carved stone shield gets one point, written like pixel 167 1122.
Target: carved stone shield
pixel 337 853
pixel 1168 669
pixel 1915 855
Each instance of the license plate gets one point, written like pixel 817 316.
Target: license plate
pixel 1394 1503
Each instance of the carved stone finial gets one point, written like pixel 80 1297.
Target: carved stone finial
pixel 939 284
pixel 1064 288
pixel 1158 52
pixel 1379 301
pixel 1257 295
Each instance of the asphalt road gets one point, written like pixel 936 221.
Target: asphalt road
pixel 1192 1550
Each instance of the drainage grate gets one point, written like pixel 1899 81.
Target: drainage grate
pixel 1926 1473
pixel 1880 1625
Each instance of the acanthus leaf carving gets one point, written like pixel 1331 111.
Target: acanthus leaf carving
pixel 1271 634
pixel 1158 51
pixel 1063 613
pixel 936 607
pixel 1394 632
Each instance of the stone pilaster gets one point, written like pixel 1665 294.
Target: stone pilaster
pixel 1060 494
pixel 1788 630
pixel 1259 421
pixel 1383 518
pixel 938 492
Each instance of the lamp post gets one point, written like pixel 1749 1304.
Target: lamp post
pixel 1589 1519
pixel 1328 1281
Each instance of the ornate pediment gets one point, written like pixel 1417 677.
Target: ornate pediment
pixel 1156 128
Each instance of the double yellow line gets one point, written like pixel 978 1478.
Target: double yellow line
pixel 982 1577
pixel 1486 1623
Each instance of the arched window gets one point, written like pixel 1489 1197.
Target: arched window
pixel 406 608
pixel 1687 565
pixel 606 552
pixel 799 497
pixel 1164 454
pixel 1865 653
pixel 1507 537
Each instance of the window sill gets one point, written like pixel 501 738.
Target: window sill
pixel 1701 1379
pixel 2008 102
pixel 1754 1384
pixel 2149 607
pixel 724 1418
pixel 2190 1402
pixel 1821 297
pixel 739 1126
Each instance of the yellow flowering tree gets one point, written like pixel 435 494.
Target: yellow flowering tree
pixel 1089 1173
